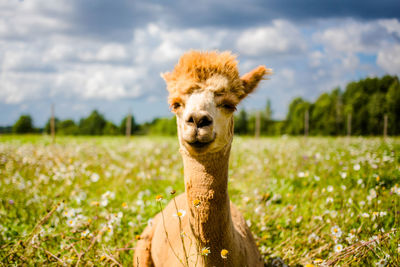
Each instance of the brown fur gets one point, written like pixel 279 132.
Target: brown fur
pixel 215 222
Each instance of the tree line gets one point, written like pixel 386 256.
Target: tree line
pixel 362 105
pixel 94 124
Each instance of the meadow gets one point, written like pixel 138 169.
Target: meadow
pixel 309 202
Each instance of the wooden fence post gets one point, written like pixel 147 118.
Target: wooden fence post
pixel 349 124
pixel 306 123
pixel 52 125
pixel 128 124
pixel 258 125
pixel 385 124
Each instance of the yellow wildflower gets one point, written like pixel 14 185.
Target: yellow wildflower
pixel 159 198
pixel 224 253
pixel 205 251
pixel 196 203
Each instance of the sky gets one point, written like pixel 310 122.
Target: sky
pixel 107 55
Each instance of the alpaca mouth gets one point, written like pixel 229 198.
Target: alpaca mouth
pixel 201 143
pixel 198 144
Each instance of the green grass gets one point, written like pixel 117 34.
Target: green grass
pixel 84 199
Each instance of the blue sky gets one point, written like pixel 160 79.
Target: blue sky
pixel 87 54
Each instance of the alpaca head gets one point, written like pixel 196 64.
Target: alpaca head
pixel 204 90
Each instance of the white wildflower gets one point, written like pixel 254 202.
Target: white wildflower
pixel 180 213
pixel 356 167
pixel 338 248
pixel 94 177
pixel 365 215
pixel 336 231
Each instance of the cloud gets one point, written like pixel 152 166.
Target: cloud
pixel 280 38
pixel 389 59
pixel 68 67
pixel 352 36
pixel 159 44
pixel 26 20
pixel 108 55
pixel 392 26
pixel 111 53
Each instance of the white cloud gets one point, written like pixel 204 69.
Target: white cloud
pixel 96 53
pixel 44 56
pixel 113 83
pixel 287 75
pixel 315 58
pixel 59 52
pixel 27 19
pixel 343 39
pixel 111 52
pixel 164 45
pixel 391 25
pixel 279 38
pixel 18 87
pixel 347 48
pixel 389 59
pixel 350 62
pixel 358 37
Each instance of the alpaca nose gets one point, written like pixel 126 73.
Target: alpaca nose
pixel 200 120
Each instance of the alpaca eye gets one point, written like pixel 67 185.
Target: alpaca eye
pixel 228 107
pixel 176 105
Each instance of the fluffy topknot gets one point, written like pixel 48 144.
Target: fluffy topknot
pixel 195 67
pixel 199 66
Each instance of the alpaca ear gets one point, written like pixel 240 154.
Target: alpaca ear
pixel 251 79
pixel 165 76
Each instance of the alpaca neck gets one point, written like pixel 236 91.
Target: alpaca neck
pixel 206 179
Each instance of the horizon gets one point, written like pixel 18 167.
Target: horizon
pixel 107 56
pixel 171 115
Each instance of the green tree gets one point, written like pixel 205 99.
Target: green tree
pixel 134 126
pixel 23 125
pixel 68 127
pixel 251 123
pixel 295 118
pixel 163 126
pixel 367 100
pixel 241 123
pixel 110 129
pixel 265 118
pixel 327 114
pixel 356 99
pixel 92 125
pixel 377 109
pixel 393 108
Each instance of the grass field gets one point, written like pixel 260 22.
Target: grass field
pixel 83 200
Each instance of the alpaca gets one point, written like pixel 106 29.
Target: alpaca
pixel 204 90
